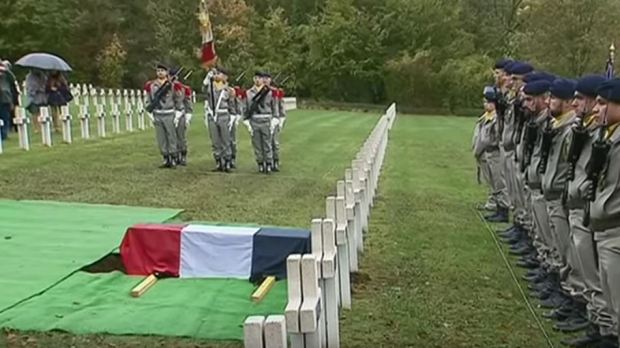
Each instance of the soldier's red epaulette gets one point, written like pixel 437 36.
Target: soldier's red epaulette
pixel 240 92
pixel 274 92
pixel 187 90
pixel 178 87
pixel 147 86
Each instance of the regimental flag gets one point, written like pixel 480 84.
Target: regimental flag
pixel 211 251
pixel 208 57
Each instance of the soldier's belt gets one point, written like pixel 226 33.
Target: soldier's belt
pixel 262 116
pixel 165 111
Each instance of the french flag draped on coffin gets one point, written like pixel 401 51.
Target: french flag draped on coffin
pixel 211 251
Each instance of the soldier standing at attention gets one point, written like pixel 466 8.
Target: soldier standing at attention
pixel 167 112
pixel 261 110
pixel 605 193
pixel 218 117
pixel 277 124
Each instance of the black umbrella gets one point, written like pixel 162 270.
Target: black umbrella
pixel 43 61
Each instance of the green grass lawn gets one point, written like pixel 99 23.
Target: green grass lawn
pixel 431 275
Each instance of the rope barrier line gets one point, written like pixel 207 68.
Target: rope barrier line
pixel 515 279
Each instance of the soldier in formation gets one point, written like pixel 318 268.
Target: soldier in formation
pixel 549 150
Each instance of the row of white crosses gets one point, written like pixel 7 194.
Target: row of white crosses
pixel 106 102
pixel 319 284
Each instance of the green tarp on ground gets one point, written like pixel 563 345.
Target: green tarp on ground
pixel 100 303
pixel 43 242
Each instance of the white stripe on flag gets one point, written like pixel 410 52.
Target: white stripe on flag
pixel 209 251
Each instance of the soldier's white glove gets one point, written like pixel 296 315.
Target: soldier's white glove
pixel 274 124
pixel 208 78
pixel 231 123
pixel 150 115
pixel 282 119
pixel 188 119
pixel 177 117
pixel 237 119
pixel 247 124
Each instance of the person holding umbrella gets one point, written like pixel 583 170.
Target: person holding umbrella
pixel 8 98
pixel 36 81
pixel 58 95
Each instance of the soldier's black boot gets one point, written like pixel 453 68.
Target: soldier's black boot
pixel 164 163
pixel 261 168
pixel 233 163
pixel 500 216
pixel 183 158
pixel 590 339
pixel 268 168
pixel 173 161
pixel 276 165
pixel 218 165
pixel 227 167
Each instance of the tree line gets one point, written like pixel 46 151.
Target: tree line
pixel 424 53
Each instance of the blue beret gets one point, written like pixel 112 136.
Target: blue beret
pixel 588 85
pixel 610 90
pixel 490 93
pixel 538 75
pixel 563 88
pixel 519 68
pixel 501 64
pixel 509 65
pixel 537 87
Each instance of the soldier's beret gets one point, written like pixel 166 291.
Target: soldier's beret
pixel 266 75
pixel 588 85
pixel 222 70
pixel 162 66
pixel 536 88
pixel 501 64
pixel 538 75
pixel 610 90
pixel 563 88
pixel 520 68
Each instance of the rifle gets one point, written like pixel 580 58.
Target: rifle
pixel 256 101
pixel 578 141
pixel 519 120
pixel 162 91
pixel 600 150
pixel 545 147
pixel 501 105
pixel 531 136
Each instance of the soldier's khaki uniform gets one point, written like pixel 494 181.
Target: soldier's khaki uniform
pixel 554 182
pixel 605 222
pixel 597 306
pixel 544 238
pixel 487 147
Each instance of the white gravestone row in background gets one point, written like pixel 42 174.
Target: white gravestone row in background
pixel 319 284
pixel 131 102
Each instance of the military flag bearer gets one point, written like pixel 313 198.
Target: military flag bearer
pixel 218 116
